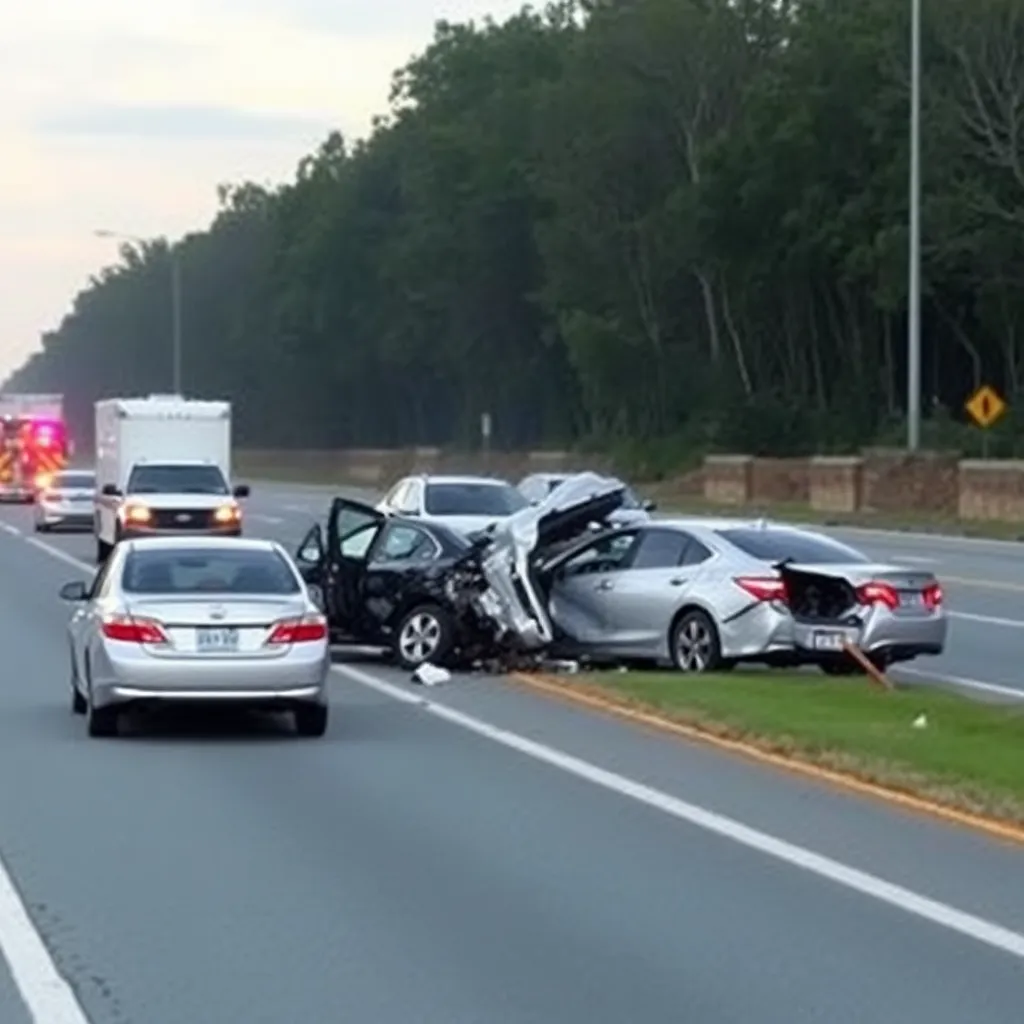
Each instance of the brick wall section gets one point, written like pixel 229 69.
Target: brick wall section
pixel 991 490
pixel 880 480
pixel 379 468
pixel 780 481
pixel 836 483
pixel 728 479
pixel 895 481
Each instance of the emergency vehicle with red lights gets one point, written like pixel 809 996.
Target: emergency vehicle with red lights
pixel 34 444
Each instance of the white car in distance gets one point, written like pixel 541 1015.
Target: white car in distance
pixel 468 504
pixel 199 621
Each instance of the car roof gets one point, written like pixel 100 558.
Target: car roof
pixel 493 480
pixel 181 542
pixel 162 463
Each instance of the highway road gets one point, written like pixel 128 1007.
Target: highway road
pixel 473 854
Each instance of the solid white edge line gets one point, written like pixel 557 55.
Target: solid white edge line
pixel 962 681
pixel 988 620
pixel 896 896
pixel 968 925
pixel 46 994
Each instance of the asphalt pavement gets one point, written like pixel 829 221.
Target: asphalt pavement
pixel 472 854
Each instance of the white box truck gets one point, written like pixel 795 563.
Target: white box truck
pixel 163 466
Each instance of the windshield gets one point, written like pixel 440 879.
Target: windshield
pixel 473 499
pixel 791 545
pixel 177 480
pixel 76 481
pixel 197 571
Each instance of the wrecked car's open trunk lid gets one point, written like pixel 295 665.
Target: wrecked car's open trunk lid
pixel 826 596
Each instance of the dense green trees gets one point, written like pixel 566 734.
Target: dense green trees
pixel 656 223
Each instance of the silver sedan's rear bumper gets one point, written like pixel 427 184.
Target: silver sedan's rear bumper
pixel 123 673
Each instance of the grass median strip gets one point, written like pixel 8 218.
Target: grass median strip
pixel 968 756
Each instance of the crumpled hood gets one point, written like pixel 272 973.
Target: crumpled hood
pixel 565 513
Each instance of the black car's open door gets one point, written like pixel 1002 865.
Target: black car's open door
pixel 352 527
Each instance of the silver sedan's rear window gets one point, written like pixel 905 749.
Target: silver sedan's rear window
pixel 196 571
pixel 768 545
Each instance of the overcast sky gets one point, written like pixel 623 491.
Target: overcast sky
pixel 125 115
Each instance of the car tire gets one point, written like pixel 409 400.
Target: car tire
pixel 79 705
pixel 104 722
pixel 311 719
pixel 694 644
pixel 424 634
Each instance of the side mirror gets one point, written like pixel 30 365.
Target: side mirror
pixel 111 491
pixel 76 591
pixel 311 550
pixel 242 491
pixel 649 506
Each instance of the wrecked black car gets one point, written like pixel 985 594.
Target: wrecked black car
pixel 429 594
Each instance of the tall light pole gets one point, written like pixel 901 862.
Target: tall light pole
pixel 914 275
pixel 175 299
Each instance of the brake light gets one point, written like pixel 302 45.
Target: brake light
pixel 933 596
pixel 763 588
pixel 879 593
pixel 134 631
pixel 299 631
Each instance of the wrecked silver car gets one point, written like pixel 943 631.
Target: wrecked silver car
pixel 427 593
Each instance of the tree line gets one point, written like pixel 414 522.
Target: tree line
pixel 657 226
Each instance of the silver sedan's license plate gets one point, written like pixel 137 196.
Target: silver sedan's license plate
pixel 216 640
pixel 828 640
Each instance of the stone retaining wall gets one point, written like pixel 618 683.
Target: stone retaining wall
pixel 878 480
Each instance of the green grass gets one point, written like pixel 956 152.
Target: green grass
pixel 969 756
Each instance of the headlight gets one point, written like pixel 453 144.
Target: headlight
pixel 227 514
pixel 137 514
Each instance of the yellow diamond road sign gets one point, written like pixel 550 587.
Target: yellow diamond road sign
pixel 985 406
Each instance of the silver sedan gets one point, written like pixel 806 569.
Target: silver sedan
pixel 707 594
pixel 197 620
pixel 67 500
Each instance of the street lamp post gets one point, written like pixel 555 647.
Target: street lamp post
pixel 914 275
pixel 175 300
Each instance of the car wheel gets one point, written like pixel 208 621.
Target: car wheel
pixel 78 703
pixel 311 719
pixel 423 635
pixel 694 643
pixel 102 722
